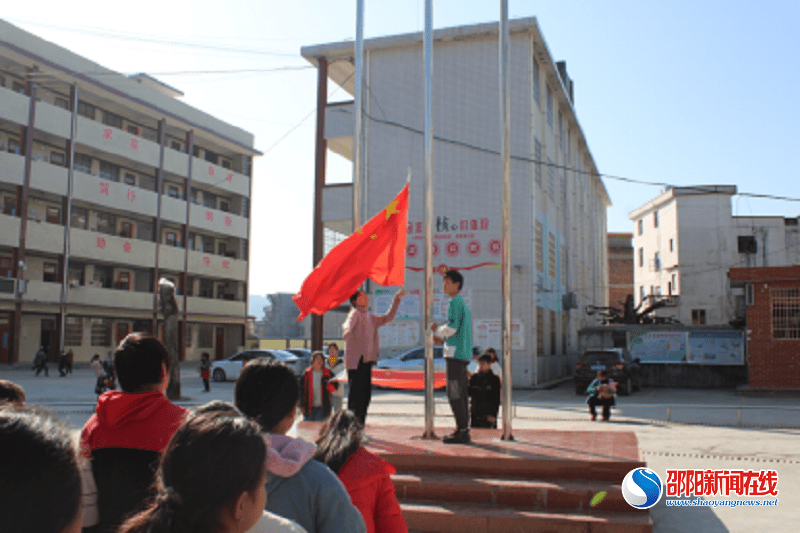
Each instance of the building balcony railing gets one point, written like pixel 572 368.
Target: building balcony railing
pixel 42 292
pixel 98 296
pixel 12 166
pixel 112 140
pixel 44 237
pixel 217 266
pixel 115 195
pixel 14 106
pixel 54 120
pixel 219 177
pixel 207 306
pixel 9 235
pixel 216 221
pixel 110 249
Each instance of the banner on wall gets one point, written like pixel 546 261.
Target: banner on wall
pixel 692 347
pixel 402 334
pixel 658 347
pixel 488 332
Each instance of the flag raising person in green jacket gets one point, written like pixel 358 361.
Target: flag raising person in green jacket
pixel 457 338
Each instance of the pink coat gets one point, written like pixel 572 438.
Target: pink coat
pixel 367 479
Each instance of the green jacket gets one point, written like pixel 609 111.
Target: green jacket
pixel 458 331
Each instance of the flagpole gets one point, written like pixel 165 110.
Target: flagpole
pixel 505 149
pixel 428 220
pixel 357 170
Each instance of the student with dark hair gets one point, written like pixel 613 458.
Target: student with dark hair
pixel 484 391
pixel 366 476
pixel 299 488
pixel 456 336
pixel 11 392
pixel 40 482
pixel 130 428
pixel 196 492
pixel 360 331
pixel 205 370
pixel 336 366
pixel 315 400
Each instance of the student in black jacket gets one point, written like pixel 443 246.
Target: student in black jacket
pixel 484 392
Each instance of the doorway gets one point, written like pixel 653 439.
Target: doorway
pixel 47 338
pixel 5 337
pixel 220 344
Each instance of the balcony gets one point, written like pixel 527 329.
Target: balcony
pixel 208 306
pixel 9 236
pixel 114 195
pixel 173 209
pixel 45 237
pixel 49 178
pixel 221 178
pixel 110 249
pixel 214 220
pixel 96 296
pixel 217 266
pixel 54 120
pixel 115 141
pixel 12 166
pixel 14 106
pixel 176 162
pixel 171 257
pixel 42 292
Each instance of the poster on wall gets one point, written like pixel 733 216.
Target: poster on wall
pixel 409 305
pixel 716 347
pixel 658 347
pixel 489 333
pixel 403 334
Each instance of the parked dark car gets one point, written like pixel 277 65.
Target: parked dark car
pixel 616 362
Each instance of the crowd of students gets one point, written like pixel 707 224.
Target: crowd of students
pixel 146 465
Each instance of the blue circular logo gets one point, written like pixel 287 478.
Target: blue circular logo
pixel 642 488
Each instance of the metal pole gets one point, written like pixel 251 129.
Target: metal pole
pixel 359 44
pixel 317 321
pixel 428 220
pixel 505 149
pixel 67 227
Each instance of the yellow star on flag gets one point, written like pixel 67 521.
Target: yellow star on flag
pixel 360 231
pixel 373 236
pixel 391 209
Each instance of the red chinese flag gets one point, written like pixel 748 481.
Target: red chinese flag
pixel 377 250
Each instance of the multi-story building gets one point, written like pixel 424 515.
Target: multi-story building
pixel 109 183
pixel 620 268
pixel 558 202
pixel 685 241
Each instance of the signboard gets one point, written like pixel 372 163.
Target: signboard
pixel 409 306
pixel 441 303
pixel 658 347
pixel 404 334
pixel 716 347
pixel 489 333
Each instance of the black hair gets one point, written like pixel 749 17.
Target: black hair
pixel 456 277
pixel 485 358
pixel 315 354
pixel 339 439
pixel 192 485
pixel 333 345
pixel 218 406
pixel 602 373
pixel 205 354
pixel 40 484
pixel 137 362
pixel 266 391
pixel 11 392
pixel 354 297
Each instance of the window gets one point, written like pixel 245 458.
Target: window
pixel 749 294
pixel 641 257
pixel 551 255
pixel 209 200
pixel 110 119
pixel 175 145
pixel 747 244
pixel 698 316
pixel 123 281
pixel 101 332
pixel 785 313
pixel 658 290
pixel 675 283
pixel 641 293
pixel 126 230
pixel 549 107
pixel 208 244
pixel 123 328
pixel 76 274
pixel 170 238
pixel 109 171
pixel 672 245
pixel 222 248
pixel 211 157
pixel 133 129
pixel 641 226
pixel 86 110
pixel 129 179
pixel 188 330
pixel 82 163
pixel 657 262
pixel 50 272
pixel 57 158
pixel 225 163
pixel 73 331
pixel 224 206
pixel 537 154
pixel 537 89
pixel 196 151
pixel 13 146
pixel 147 183
pixel 206 288
pixel 655 219
pixel 78 217
pixel 205 337
pixel 553 347
pixel 103 276
pixel 539 247
pixel 106 223
pixel 53 215
pixel 173 191
pixel 9 205
pixel 62 103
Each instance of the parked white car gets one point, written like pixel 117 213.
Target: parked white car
pixel 229 369
pixel 414 359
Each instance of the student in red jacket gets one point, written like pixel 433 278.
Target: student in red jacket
pixel 366 476
pixel 316 397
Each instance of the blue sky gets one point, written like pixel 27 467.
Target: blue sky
pixel 674 92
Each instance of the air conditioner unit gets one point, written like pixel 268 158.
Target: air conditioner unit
pixel 569 301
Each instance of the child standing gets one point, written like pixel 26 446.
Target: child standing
pixel 316 397
pixel 484 390
pixel 205 370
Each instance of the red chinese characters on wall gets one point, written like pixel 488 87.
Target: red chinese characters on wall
pixel 494 246
pixel 101 243
pixel 474 248
pixel 453 249
pixel 131 195
pixel 126 247
pixel 104 188
pixel 210 170
pixel 107 134
pixel 207 261
pixel 412 250
pixel 228 220
pixel 226 264
pixel 229 177
pixel 210 216
pixel 135 144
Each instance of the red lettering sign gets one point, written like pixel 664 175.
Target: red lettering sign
pixel 228 220
pixel 127 247
pixel 206 261
pixel 107 133
pixel 104 188
pixel 101 242
pixel 210 216
pixel 135 144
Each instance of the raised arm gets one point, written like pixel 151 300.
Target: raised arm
pixel 389 316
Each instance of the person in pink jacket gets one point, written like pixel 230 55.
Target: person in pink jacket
pixel 366 476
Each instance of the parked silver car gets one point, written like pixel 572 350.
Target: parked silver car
pixel 229 369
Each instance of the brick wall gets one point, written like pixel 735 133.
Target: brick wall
pixel 620 269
